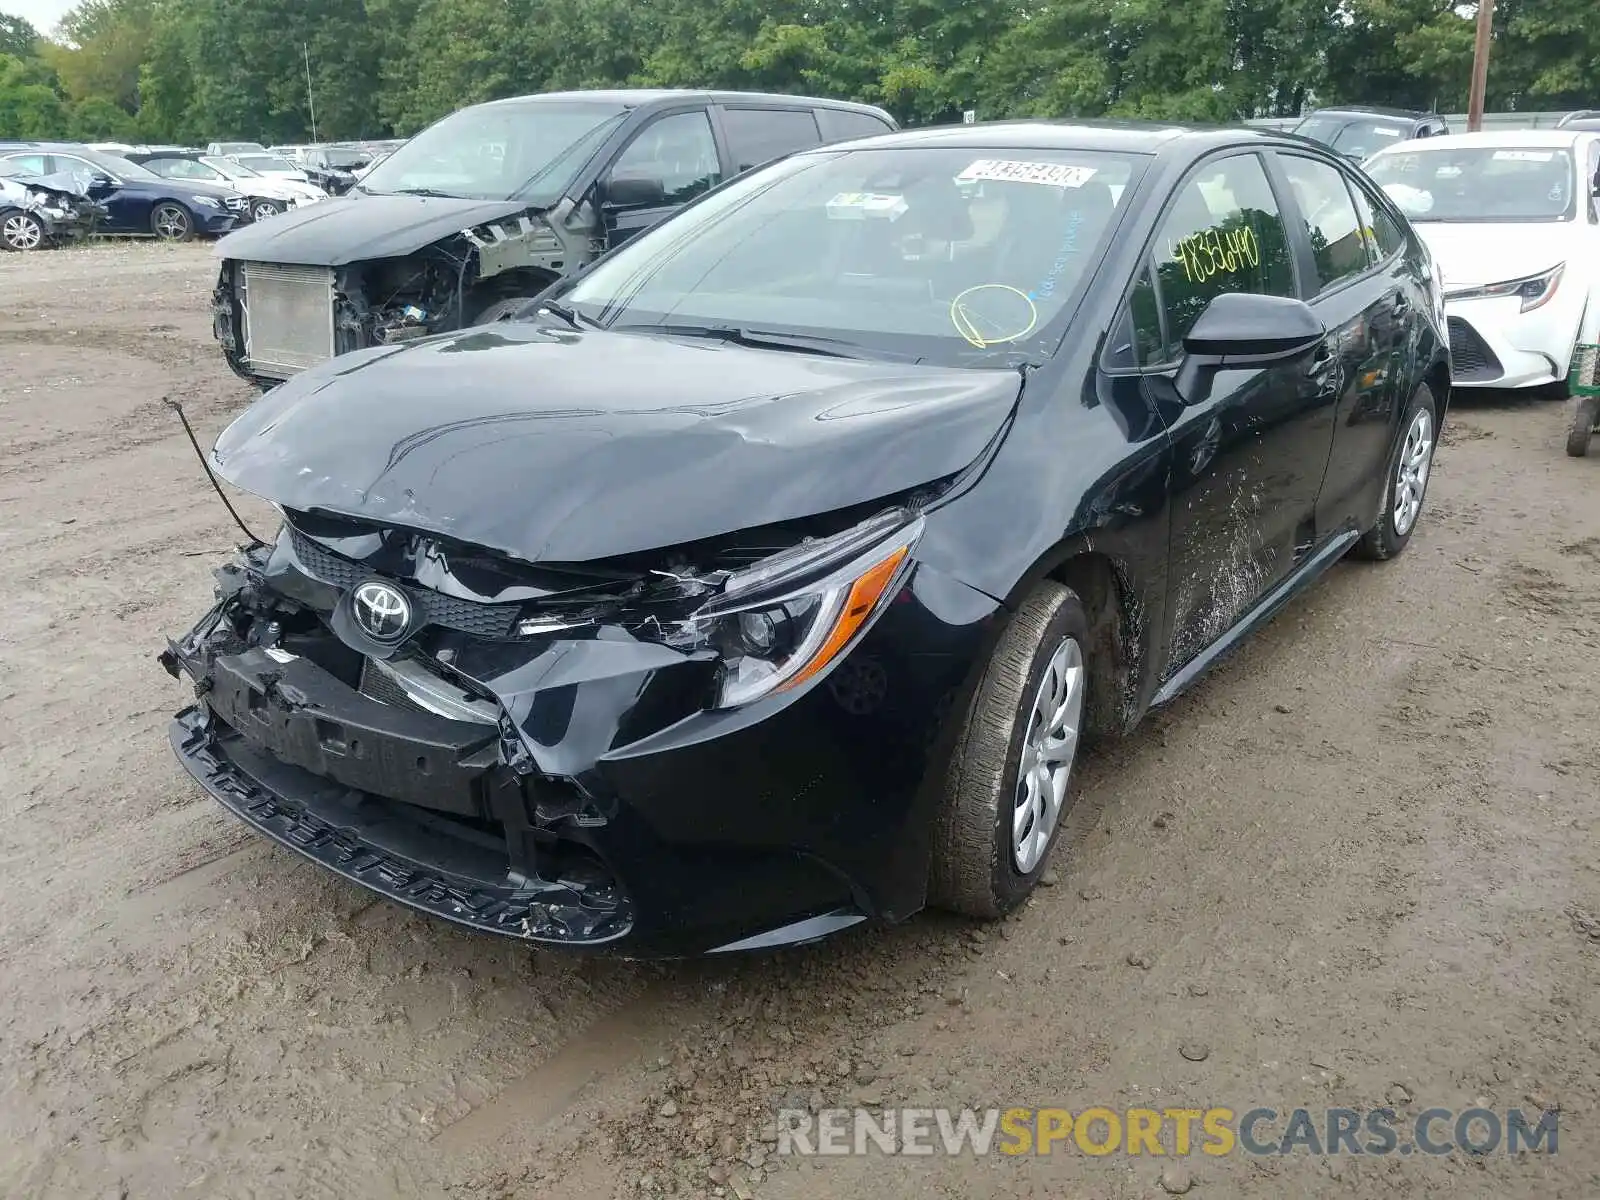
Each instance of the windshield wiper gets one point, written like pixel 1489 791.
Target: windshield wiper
pixel 421 191
pixel 760 339
pixel 572 317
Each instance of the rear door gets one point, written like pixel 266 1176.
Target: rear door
pixel 757 134
pixel 1248 457
pixel 1366 301
pixel 670 160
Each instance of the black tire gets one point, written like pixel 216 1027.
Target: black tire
pixel 500 308
pixel 262 209
pixel 1585 414
pixel 1385 540
pixel 172 222
pixel 22 231
pixel 974 869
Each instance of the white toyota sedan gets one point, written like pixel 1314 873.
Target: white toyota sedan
pixel 1513 221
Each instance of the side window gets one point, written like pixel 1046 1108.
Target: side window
pixel 29 162
pixel 676 152
pixel 1384 237
pixel 1330 219
pixel 1136 338
pixel 1223 234
pixel 759 135
pixel 842 125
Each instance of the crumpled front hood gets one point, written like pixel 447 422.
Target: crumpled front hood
pixel 356 227
pixel 565 447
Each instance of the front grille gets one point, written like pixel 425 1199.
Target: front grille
pixel 1471 360
pixel 237 203
pixel 433 608
pixel 288 317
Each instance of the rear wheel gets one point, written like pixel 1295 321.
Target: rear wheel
pixel 1406 481
pixel 1585 418
pixel 1010 777
pixel 171 222
pixel 21 231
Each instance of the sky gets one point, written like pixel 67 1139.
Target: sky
pixel 41 14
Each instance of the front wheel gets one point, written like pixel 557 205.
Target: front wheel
pixel 1585 419
pixel 21 231
pixel 172 223
pixel 500 309
pixel 1010 777
pixel 264 210
pixel 1405 481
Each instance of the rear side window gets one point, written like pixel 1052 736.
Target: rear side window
pixel 842 125
pixel 1224 233
pixel 759 135
pixel 28 162
pixel 1384 237
pixel 1330 219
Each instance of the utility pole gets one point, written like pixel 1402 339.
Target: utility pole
pixel 311 98
pixel 1480 66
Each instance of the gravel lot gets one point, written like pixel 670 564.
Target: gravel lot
pixel 1359 864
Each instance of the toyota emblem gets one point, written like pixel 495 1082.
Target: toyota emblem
pixel 382 611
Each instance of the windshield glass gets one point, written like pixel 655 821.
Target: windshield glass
pixel 230 168
pixel 116 165
pixel 344 159
pixel 266 162
pixel 1355 136
pixel 1479 183
pixel 954 256
pixel 499 151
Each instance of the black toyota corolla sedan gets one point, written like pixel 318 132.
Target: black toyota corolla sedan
pixel 768 576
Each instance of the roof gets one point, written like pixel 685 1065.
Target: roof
pixel 639 97
pixel 1368 110
pixel 1128 137
pixel 1506 139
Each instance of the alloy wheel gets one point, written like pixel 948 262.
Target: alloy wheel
pixel 171 223
pixel 1048 750
pixel 1411 476
pixel 264 209
pixel 21 232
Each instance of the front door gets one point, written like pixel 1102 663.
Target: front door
pixel 1249 454
pixel 669 162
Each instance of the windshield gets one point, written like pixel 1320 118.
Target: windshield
pixel 230 168
pixel 1479 183
pixel 115 164
pixel 499 152
pixel 265 162
pixel 1355 136
pixel 953 256
pixel 344 159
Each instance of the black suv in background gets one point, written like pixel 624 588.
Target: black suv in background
pixel 489 206
pixel 1358 131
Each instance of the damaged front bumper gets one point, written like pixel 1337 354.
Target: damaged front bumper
pixel 579 790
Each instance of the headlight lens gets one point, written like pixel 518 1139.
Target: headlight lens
pixel 784 620
pixel 206 201
pixel 1533 290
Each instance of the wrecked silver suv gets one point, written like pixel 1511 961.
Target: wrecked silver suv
pixel 489 206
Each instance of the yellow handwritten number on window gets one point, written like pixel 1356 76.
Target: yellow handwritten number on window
pixel 966 320
pixel 1212 252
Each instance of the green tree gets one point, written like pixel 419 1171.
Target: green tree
pixel 18 38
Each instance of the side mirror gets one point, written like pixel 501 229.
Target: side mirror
pixel 99 179
pixel 633 192
pixel 1241 330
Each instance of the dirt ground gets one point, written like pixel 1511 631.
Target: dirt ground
pixel 1358 863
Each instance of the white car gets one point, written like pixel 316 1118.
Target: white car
pixel 280 187
pixel 1513 222
pixel 271 165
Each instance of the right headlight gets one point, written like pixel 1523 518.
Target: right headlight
pixel 1533 290
pixel 787 618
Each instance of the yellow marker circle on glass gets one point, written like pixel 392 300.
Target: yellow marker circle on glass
pixel 993 334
